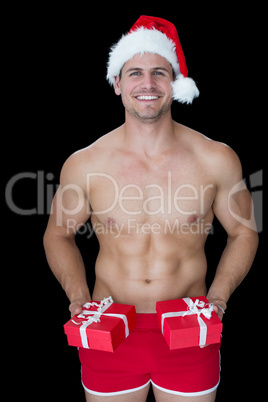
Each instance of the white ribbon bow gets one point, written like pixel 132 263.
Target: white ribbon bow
pixel 102 307
pixel 193 309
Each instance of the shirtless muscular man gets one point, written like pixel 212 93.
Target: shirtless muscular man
pixel 151 188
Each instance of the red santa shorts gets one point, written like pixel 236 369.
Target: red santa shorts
pixel 144 357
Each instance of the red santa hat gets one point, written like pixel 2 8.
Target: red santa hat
pixel 154 35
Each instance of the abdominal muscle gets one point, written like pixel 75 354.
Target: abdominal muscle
pixel 141 270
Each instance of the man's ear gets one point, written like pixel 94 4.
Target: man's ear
pixel 117 89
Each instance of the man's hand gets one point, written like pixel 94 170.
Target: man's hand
pixel 76 306
pixel 219 310
pixel 219 306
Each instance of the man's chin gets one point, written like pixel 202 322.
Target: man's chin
pixel 149 116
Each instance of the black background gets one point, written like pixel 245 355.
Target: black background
pixel 58 101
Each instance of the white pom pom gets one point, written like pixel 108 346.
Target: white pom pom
pixel 184 89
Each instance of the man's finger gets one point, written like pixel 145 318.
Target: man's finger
pixel 75 309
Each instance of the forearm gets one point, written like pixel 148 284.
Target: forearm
pixel 67 265
pixel 233 267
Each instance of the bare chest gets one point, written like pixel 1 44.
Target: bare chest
pixel 162 194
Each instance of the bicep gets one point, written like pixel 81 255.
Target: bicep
pixel 70 209
pixel 234 210
pixel 71 206
pixel 233 204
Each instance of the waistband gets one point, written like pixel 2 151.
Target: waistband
pixel 147 321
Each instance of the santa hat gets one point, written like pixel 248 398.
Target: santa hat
pixel 154 35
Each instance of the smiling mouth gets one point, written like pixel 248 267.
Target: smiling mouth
pixel 147 98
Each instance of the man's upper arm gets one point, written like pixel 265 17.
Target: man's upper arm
pixel 233 204
pixel 70 208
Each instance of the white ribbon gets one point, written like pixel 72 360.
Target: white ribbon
pixel 193 309
pixel 102 307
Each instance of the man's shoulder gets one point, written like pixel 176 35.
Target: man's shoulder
pixel 95 151
pixel 90 158
pixel 218 154
pixel 208 148
pixel 215 158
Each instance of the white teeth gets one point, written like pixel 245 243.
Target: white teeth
pixel 147 97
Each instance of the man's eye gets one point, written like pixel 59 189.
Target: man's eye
pixel 135 73
pixel 158 73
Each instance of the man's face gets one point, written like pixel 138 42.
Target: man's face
pixel 145 87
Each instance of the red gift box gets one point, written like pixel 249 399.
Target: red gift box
pixel 188 322
pixel 101 325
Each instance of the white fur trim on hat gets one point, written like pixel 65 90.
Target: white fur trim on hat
pixel 140 41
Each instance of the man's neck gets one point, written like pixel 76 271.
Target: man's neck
pixel 149 138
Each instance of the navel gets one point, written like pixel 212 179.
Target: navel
pixel 148 280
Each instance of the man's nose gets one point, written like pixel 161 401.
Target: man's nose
pixel 148 82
